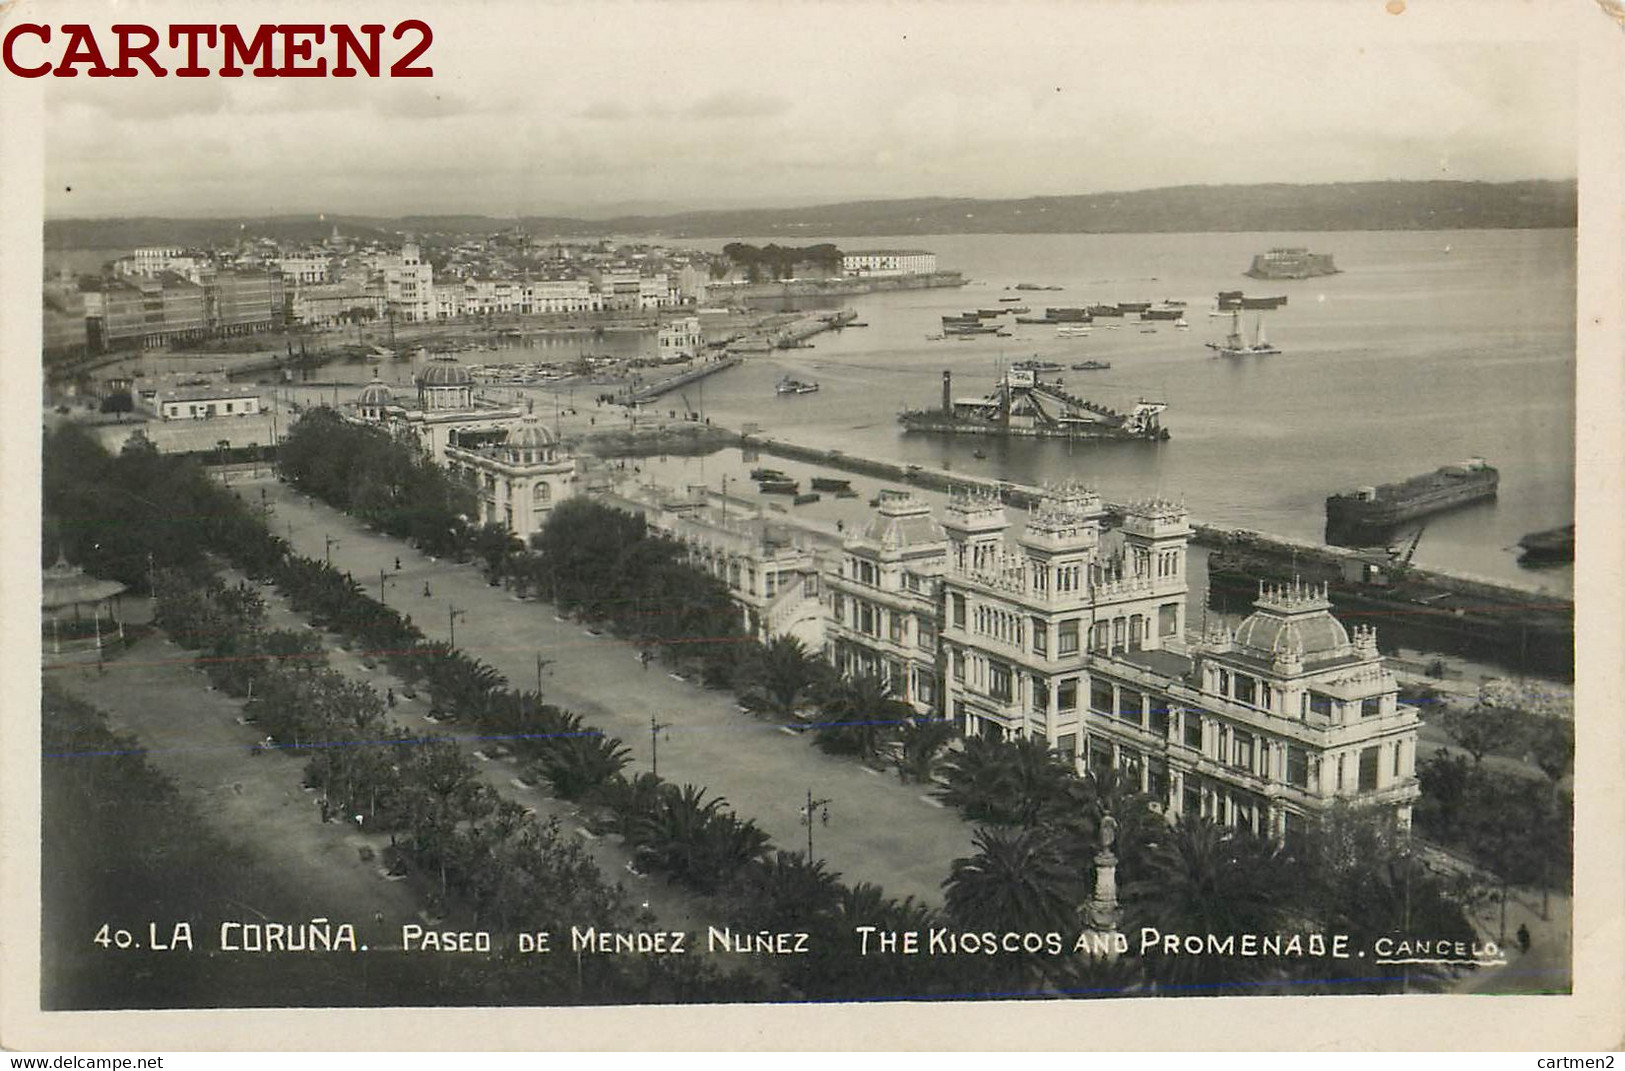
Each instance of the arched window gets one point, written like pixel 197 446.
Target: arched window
pixel 544 493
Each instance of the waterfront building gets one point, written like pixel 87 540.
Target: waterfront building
pixel 241 302
pixel 201 401
pixel 517 480
pixel 681 339
pixel 446 412
pixel 624 291
pixel 884 603
pixel 408 283
pixel 1077 637
pixel 348 301
pixel 563 295
pixel 146 311
pixel 864 262
pixel 772 575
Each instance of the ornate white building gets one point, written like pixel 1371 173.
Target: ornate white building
pixel 884 601
pixel 1081 642
pixel 517 481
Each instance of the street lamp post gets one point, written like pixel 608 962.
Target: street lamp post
pixel 452 614
pixel 655 728
pixel 331 543
pixel 381 581
pixel 807 819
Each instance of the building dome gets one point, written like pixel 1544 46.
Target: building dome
pixel 374 395
pixel 1293 620
pixel 444 372
pixel 530 435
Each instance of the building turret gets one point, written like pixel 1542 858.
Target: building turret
pixel 1155 534
pixel 975 523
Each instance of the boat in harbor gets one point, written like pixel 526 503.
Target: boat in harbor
pixel 1035 365
pixel 1353 517
pixel 807 499
pixel 1073 330
pixel 1035 286
pixel 1091 366
pixel 767 474
pixel 788 385
pixel 1551 546
pixel 1022 404
pixel 1236 346
pixel 831 483
pixel 779 487
pixel 1017 298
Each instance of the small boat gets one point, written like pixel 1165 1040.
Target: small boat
pixel 1091 366
pixel 857 323
pixel 780 487
pixel 767 474
pixel 1182 324
pixel 1036 366
pixel 787 385
pixel 1148 330
pixel 806 499
pixel 830 483
pixel 1072 330
pixel 1010 299
pixel 980 455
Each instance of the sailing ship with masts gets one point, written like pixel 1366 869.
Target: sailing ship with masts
pixel 1234 345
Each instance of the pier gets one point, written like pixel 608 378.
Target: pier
pixel 682 379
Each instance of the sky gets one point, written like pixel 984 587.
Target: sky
pixel 629 105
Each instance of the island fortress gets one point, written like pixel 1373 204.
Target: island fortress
pixel 1076 635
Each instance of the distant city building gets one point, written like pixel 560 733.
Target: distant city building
pixel 306 269
pixel 888 262
pixel 564 295
pixel 153 262
pixel 241 302
pixel 518 480
pixel 65 329
pixel 408 284
pixel 349 301
pixel 622 291
pixel 144 311
pixel 681 339
pixel 884 601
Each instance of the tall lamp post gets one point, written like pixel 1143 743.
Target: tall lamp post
pixel 807 812
pixel 452 614
pixel 655 728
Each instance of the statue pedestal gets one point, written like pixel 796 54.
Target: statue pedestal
pixel 1102 912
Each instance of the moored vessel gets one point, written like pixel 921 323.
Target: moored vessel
pixel 1552 545
pixel 789 385
pixel 1353 516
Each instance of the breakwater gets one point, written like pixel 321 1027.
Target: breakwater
pixel 682 379
pixel 776 295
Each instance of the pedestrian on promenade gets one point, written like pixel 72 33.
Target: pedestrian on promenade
pixel 644 656
pixel 397 565
pixel 426 593
pixel 390 698
pixel 1523 937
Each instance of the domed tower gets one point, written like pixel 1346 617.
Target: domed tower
pixel 530 443
pixel 373 403
pixel 444 384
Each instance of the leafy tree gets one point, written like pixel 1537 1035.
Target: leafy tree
pixel 1017 880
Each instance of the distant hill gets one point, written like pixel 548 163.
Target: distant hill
pixel 1348 206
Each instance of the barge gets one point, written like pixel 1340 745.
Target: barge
pixel 1293 262
pixel 1354 517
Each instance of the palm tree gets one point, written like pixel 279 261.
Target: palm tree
pixel 923 741
pixel 861 717
pixel 1017 881
pixel 575 765
pixel 784 671
pixel 784 892
pixel 1203 878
